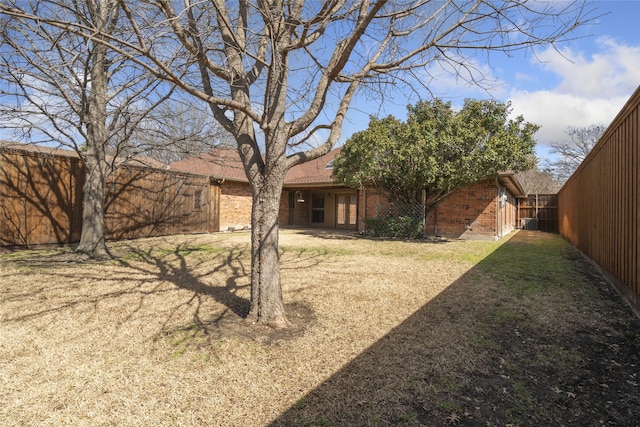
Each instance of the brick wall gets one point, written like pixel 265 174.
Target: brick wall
pixel 470 212
pixel 370 202
pixel 474 212
pixel 283 213
pixel 235 205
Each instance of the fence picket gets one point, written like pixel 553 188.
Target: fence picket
pixel 599 204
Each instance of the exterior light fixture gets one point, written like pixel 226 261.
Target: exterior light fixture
pixel 299 197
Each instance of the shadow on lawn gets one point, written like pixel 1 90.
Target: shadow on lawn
pixel 185 271
pixel 221 274
pixel 530 336
pixel 145 268
pixel 176 266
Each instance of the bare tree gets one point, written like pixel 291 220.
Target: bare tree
pixel 64 89
pixel 539 179
pixel 573 151
pixel 281 74
pixel 180 129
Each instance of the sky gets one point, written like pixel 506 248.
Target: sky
pixel 584 82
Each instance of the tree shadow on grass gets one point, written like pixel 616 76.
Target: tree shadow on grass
pixel 191 273
pixel 216 280
pixel 176 266
pixel 530 336
pixel 143 267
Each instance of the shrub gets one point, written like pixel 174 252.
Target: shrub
pixel 407 227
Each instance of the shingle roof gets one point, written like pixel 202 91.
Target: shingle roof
pixel 225 163
pixel 217 163
pixel 314 171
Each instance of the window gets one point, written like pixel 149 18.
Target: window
pixel 197 200
pixel 317 208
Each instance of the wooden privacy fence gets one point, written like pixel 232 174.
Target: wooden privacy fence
pixel 538 212
pixel 41 199
pixel 599 204
pixel 143 202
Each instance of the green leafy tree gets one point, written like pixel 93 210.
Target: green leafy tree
pixel 436 151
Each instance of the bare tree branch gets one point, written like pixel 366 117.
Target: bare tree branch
pixel 573 151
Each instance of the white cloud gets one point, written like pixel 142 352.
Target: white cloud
pixel 612 70
pixel 556 111
pixel 589 89
pixel 556 89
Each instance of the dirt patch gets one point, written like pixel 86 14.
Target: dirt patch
pixel 520 332
pixel 232 324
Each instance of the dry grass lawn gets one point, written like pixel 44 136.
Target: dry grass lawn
pixel 385 333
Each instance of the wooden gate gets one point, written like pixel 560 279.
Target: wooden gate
pixel 538 212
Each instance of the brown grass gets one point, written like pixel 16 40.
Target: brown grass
pixel 384 333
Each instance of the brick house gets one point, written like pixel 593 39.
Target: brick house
pixel 486 210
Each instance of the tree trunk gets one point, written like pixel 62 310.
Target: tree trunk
pixel 92 242
pixel 267 306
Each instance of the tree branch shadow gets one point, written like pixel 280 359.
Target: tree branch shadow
pixel 216 281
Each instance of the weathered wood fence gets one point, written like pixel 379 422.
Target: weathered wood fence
pixel 599 206
pixel 41 199
pixel 538 212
